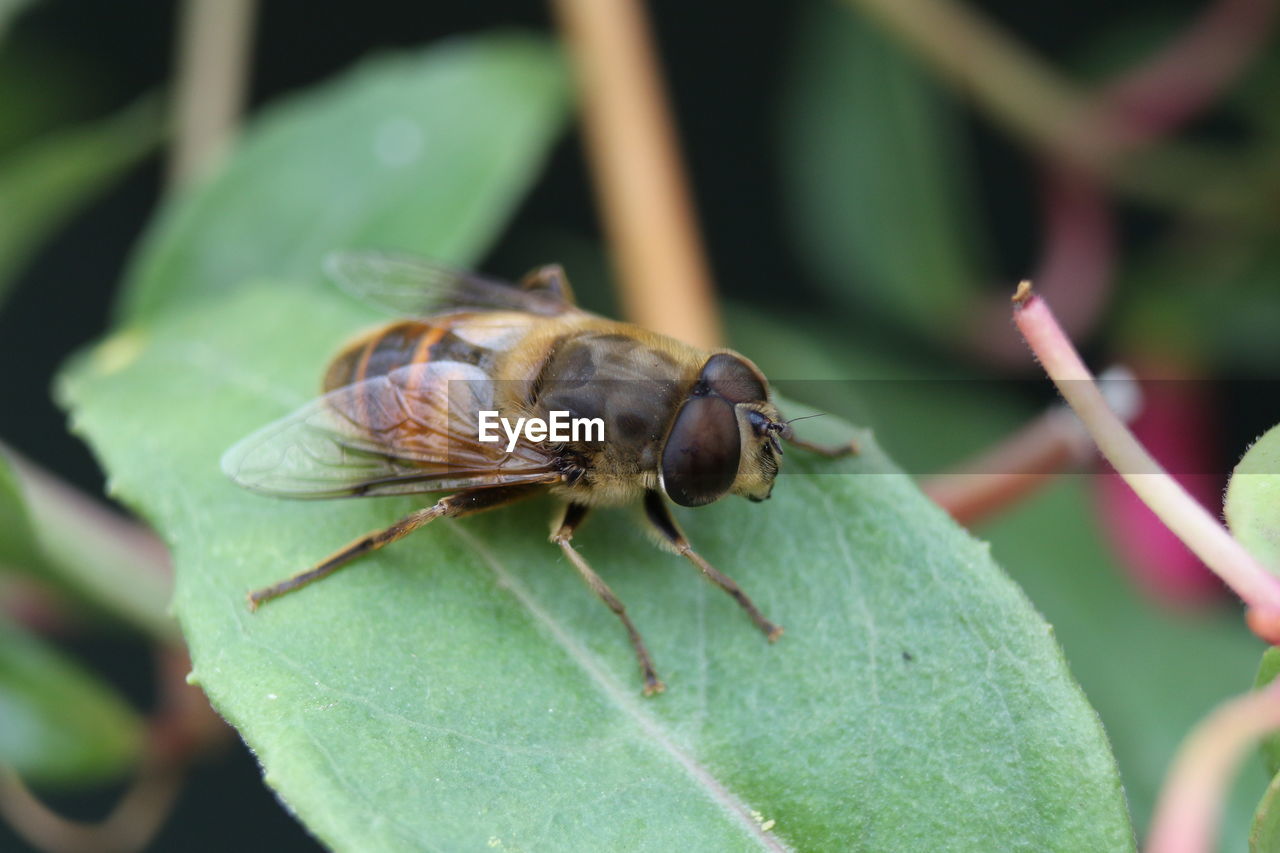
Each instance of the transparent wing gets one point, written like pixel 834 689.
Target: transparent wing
pixel 412 430
pixel 407 285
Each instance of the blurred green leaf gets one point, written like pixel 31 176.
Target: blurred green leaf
pixel 465 686
pixel 19 548
pixel 86 550
pixel 875 168
pixel 72 90
pixel 46 181
pixel 1172 297
pixel 1264 837
pixel 1253 499
pixel 1268 668
pixel 59 725
pixel 427 152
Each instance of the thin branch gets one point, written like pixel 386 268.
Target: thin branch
pixel 1180 512
pixel 1191 800
pixel 640 183
pixel 134 820
pixel 1016 87
pixel 213 68
pixel 1093 134
pixel 183 727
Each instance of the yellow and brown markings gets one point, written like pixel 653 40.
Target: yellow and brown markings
pixel 399 345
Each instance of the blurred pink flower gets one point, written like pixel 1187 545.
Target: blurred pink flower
pixel 1177 424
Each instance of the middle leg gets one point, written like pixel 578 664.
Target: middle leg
pixel 563 536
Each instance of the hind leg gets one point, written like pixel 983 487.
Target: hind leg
pixel 454 506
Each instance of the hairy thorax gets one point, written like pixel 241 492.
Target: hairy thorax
pixel 634 387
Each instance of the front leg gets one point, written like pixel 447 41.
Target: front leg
pixel 829 451
pixel 660 516
pixel 563 536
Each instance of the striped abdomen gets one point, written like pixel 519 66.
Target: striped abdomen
pixel 403 343
pixel 414 388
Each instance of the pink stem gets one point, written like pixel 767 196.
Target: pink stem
pixel 1180 512
pixel 1190 806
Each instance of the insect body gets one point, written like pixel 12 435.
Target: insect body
pixel 403 408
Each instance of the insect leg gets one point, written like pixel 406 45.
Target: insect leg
pixel 563 536
pixel 660 516
pixel 453 506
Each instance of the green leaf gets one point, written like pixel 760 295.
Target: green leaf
pixel 1170 296
pixel 1264 837
pixel 1268 668
pixel 46 181
pixel 427 152
pixel 59 725
pixel 874 164
pixel 463 688
pixel 1253 499
pixel 19 547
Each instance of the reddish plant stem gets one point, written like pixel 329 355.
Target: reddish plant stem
pixel 1201 532
pixel 131 825
pixel 1077 257
pixel 183 727
pixel 1026 460
pixel 1172 86
pixel 1005 474
pixel 1190 806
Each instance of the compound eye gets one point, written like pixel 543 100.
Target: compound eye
pixel 730 377
pixel 701 456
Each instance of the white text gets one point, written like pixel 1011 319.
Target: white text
pixel 559 428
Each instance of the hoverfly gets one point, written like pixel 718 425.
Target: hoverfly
pixel 402 406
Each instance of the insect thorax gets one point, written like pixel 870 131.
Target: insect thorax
pixel 632 387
